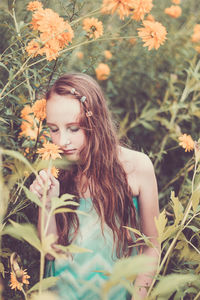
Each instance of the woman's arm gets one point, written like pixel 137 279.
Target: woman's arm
pixel 148 210
pixel 53 190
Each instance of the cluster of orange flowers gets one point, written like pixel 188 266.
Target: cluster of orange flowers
pixel 186 142
pixel 124 8
pixel 32 117
pixel 15 284
pixel 174 11
pixel 54 32
pixel 153 33
pixel 102 71
pixel 93 27
pixel 31 127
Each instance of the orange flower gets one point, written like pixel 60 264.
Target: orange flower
pixel 55 33
pixel 79 54
pixel 93 27
pixel 54 172
pixel 33 48
pixel 196 34
pixel 29 127
pixel 153 34
pixel 45 136
pixel 173 11
pixel 150 18
pixel 186 142
pixel 51 49
pixel 49 150
pixel 26 111
pixel 34 5
pixel 197 48
pixel 141 7
pixel 102 71
pixel 39 109
pixel 122 7
pixel 107 54
pixel 177 2
pixel 132 41
pixel 15 284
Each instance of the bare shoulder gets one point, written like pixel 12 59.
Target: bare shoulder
pixel 135 161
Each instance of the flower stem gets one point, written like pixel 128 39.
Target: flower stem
pixel 25 296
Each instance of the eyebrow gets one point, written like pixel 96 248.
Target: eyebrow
pixel 68 124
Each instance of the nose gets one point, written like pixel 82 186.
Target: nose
pixel 64 139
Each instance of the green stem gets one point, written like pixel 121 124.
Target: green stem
pixel 26 70
pixel 42 261
pixel 14 76
pixel 197 297
pixel 25 296
pixel 187 210
pixel 94 12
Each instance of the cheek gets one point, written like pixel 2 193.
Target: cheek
pixel 54 138
pixel 82 139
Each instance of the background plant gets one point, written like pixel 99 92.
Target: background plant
pixel 154 96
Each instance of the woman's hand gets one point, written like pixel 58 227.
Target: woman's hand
pixel 38 185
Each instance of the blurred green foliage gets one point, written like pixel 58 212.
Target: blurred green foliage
pixel 154 97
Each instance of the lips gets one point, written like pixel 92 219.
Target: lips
pixel 71 151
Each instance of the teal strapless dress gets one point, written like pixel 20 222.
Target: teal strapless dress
pixel 79 278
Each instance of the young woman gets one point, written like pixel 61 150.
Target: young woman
pixel 116 186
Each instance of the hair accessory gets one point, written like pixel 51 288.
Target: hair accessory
pixel 73 91
pixel 89 113
pixel 83 98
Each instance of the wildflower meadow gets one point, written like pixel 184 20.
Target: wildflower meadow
pixel 145 54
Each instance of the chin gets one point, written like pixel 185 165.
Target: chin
pixel 73 157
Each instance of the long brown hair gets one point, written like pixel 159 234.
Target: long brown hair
pixel 100 165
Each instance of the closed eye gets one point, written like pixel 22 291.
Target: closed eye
pixel 53 130
pixel 74 128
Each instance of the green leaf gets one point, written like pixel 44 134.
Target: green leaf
pixel 128 269
pixel 161 223
pixel 3 121
pixel 2 65
pixel 57 202
pixel 193 228
pixel 2 269
pixel 177 207
pixel 195 199
pixel 134 230
pixel 31 196
pixel 67 210
pixel 46 283
pixel 171 283
pixel 25 232
pixel 19 156
pixel 170 231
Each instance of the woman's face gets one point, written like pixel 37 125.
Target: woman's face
pixel 63 115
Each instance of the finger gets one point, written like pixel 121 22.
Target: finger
pixel 54 181
pixel 37 194
pixel 33 190
pixel 44 177
pixel 38 189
